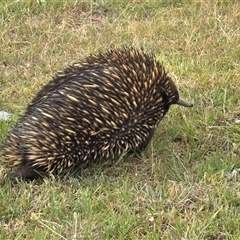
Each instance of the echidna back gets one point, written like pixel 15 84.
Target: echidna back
pixel 96 109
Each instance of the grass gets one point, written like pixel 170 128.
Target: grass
pixel 187 185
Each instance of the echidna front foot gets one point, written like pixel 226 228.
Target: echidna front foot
pixel 145 143
pixel 27 173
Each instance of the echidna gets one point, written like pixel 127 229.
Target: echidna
pixel 105 105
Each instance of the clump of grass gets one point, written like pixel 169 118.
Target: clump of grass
pixel 186 186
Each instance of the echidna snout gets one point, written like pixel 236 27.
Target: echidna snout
pixel 95 109
pixel 184 103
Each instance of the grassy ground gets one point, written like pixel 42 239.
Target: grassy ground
pixel 187 185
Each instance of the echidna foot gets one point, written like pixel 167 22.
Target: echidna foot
pixel 26 173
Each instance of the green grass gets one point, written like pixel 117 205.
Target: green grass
pixel 187 185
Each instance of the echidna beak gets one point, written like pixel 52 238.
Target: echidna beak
pixel 184 103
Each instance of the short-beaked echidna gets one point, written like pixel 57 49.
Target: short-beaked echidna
pixel 105 105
